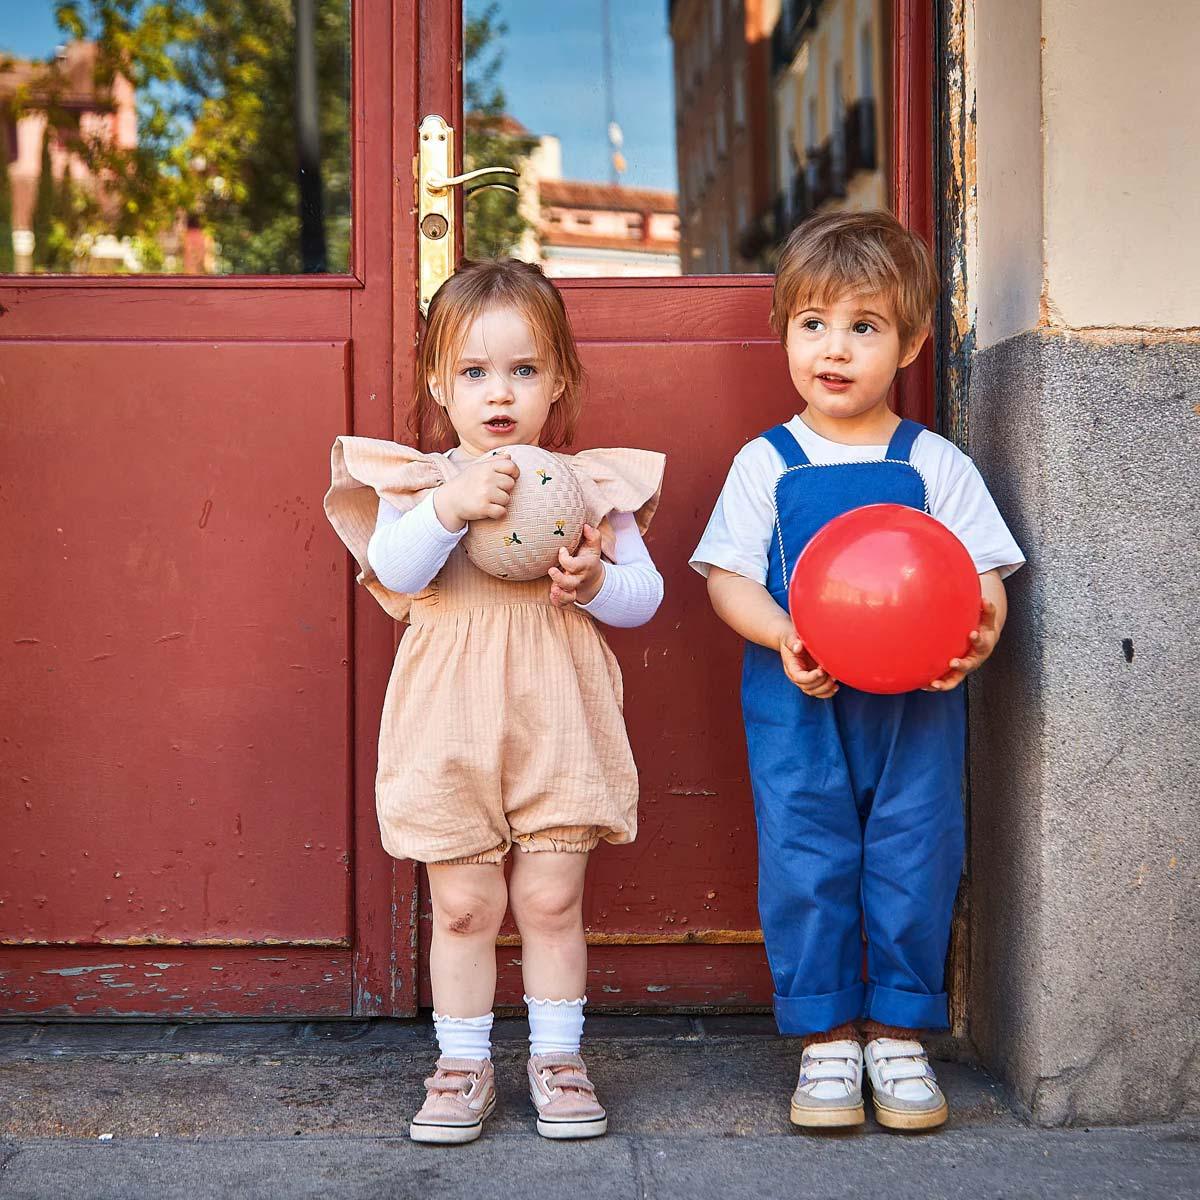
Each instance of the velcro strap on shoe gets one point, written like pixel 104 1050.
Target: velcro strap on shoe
pixel 881 1050
pixel 571 1079
pixel 829 1069
pixel 891 1072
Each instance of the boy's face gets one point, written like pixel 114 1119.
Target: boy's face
pixel 501 392
pixel 844 356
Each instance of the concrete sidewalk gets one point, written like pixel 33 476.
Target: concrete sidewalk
pixel 698 1109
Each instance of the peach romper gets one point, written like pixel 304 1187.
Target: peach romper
pixel 503 716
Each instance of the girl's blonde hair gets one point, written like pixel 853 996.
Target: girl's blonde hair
pixel 470 291
pixel 856 253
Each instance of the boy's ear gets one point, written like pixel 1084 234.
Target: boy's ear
pixel 913 347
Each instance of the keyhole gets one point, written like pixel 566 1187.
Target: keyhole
pixel 434 226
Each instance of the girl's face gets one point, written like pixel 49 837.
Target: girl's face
pixel 501 391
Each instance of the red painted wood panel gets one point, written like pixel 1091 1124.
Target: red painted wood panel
pixel 183 981
pixel 176 656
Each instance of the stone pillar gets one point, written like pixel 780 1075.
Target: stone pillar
pixel 1084 415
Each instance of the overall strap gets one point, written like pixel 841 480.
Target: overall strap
pixel 784 440
pixel 901 444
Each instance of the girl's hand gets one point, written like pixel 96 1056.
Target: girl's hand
pixel 480 491
pixel 801 668
pixel 578 576
pixel 983 642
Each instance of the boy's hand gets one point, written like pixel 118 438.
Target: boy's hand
pixel 802 670
pixel 578 576
pixel 477 492
pixel 983 642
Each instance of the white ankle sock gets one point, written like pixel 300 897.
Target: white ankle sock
pixel 464 1037
pixel 555 1026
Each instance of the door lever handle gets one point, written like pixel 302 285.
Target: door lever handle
pixel 436 183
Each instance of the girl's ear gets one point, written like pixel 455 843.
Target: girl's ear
pixel 558 391
pixel 435 389
pixel 912 348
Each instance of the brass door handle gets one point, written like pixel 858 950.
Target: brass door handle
pixel 437 222
pixel 435 183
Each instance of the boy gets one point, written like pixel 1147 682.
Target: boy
pixel 857 796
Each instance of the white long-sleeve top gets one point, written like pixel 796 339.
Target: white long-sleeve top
pixel 408 549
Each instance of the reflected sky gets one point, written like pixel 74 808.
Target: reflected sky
pixel 552 74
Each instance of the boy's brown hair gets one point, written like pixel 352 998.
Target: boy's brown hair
pixel 469 292
pixel 855 253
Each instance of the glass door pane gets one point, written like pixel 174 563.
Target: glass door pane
pixel 680 137
pixel 198 137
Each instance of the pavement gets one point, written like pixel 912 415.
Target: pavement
pixel 698 1109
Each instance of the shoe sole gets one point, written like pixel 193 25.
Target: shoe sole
pixel 563 1131
pixel 449 1135
pixel 906 1119
pixel 827 1118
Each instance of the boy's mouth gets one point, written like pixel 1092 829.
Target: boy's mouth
pixel 834 381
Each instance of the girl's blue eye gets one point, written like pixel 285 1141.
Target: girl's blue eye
pixel 526 371
pixel 474 372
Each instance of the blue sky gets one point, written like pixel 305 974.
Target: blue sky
pixel 553 71
pixel 552 74
pixel 27 30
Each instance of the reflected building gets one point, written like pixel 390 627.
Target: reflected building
pixel 61 100
pixel 583 228
pixel 777 117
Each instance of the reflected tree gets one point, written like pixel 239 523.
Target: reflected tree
pixel 491 138
pixel 217 142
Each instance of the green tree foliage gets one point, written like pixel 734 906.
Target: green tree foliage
pixel 494 223
pixel 43 206
pixel 214 81
pixel 6 227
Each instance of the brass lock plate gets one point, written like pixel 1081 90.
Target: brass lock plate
pixel 436 234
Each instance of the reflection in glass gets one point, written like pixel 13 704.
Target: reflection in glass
pixel 175 137
pixel 684 136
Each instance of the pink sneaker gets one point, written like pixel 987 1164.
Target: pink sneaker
pixel 564 1097
pixel 460 1096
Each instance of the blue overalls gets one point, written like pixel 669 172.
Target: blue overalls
pixel 858 798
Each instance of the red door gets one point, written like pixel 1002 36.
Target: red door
pixel 193 679
pixel 688 366
pixel 189 674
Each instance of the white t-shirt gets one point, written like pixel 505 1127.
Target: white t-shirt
pixel 738 537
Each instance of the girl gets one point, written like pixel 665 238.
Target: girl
pixel 502 722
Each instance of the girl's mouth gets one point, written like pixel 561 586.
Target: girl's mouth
pixel 501 424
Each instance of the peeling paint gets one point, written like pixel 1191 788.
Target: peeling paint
pixel 81 970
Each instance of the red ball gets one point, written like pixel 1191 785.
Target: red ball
pixel 883 597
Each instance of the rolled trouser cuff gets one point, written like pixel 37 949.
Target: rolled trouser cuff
pixel 800 1015
pixel 909 1010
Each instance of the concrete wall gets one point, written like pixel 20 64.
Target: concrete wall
pixel 1083 412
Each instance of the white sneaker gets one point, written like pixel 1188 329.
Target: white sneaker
pixel 904 1089
pixel 829 1091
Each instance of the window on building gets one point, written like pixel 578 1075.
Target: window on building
pixel 866 63
pixel 739 93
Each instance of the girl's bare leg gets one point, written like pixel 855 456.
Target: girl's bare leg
pixel 546 894
pixel 469 900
